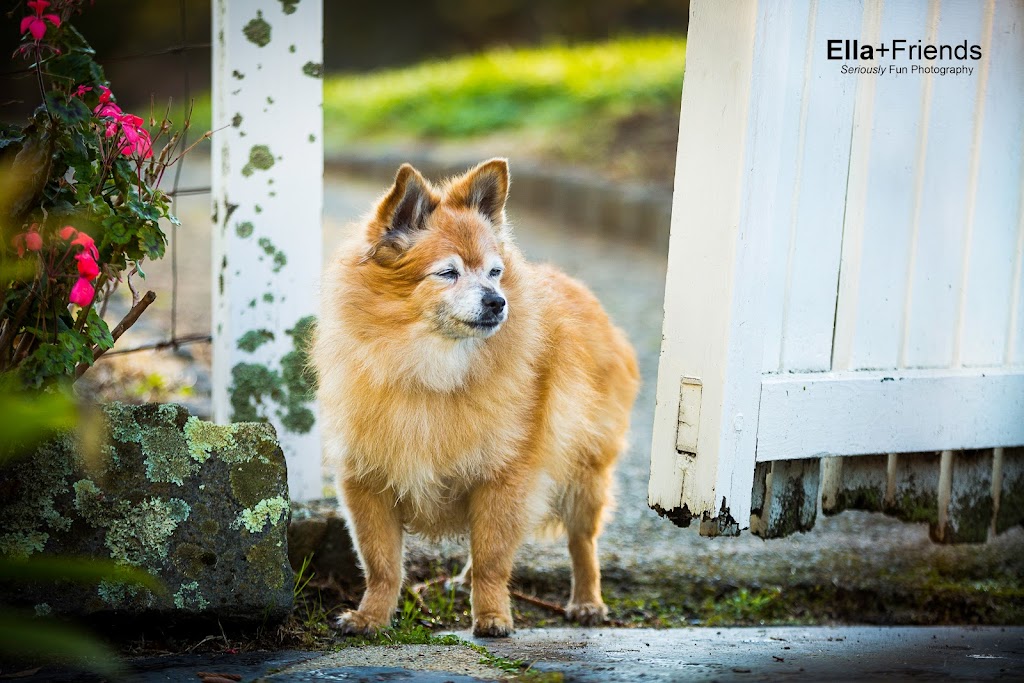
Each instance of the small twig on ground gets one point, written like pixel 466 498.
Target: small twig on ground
pixel 537 602
pixel 122 327
pixel 418 588
pixel 202 642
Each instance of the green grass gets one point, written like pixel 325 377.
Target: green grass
pixel 555 86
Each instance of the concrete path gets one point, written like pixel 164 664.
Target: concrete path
pixel 772 654
pixel 629 655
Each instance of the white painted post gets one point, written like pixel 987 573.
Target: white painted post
pixel 268 200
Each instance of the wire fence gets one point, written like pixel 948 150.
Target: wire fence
pixel 183 50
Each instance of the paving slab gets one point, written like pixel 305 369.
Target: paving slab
pixel 784 653
pixel 613 655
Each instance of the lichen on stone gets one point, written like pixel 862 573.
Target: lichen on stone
pixel 166 454
pixel 88 499
pixel 42 610
pixel 138 533
pixel 289 6
pixel 313 69
pixel 267 511
pixel 264 559
pixel 204 437
pixel 28 517
pixel 189 597
pixel 120 594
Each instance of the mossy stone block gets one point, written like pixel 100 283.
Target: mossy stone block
pixel 203 507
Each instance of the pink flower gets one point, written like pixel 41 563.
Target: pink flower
pixel 30 240
pixel 87 244
pixel 33 241
pixel 67 232
pixel 36 25
pixel 106 107
pixel 87 266
pixel 81 90
pixel 82 293
pixel 136 137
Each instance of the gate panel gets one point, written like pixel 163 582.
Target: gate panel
pixel 846 251
pixel 997 229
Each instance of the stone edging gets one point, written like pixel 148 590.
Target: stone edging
pixel 629 211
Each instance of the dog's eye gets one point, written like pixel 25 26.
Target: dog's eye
pixel 495 272
pixel 449 274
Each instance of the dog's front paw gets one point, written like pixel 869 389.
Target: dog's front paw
pixel 353 623
pixel 492 626
pixel 587 613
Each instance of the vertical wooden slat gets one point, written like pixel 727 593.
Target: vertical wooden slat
pixel 1011 491
pixel 831 482
pixel 707 210
pixel 876 254
pixel 856 198
pixel 791 498
pixel 823 157
pixel 863 484
pixel 988 286
pixel 791 83
pixel 969 515
pixel 915 492
pixel 937 260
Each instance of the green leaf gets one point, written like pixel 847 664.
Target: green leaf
pixel 28 418
pixel 75 67
pixel 22 635
pixel 78 569
pixel 76 41
pixel 97 331
pixel 71 112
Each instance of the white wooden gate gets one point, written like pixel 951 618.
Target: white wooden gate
pixel 845 258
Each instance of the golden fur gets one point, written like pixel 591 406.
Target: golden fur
pixel 443 425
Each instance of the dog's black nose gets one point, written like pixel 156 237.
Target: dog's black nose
pixel 493 303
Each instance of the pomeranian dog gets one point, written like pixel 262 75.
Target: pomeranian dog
pixel 464 390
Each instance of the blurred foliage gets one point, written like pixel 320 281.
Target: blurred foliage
pixel 79 205
pixel 28 418
pixel 556 86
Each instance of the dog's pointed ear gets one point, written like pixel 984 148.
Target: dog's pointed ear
pixel 403 210
pixel 484 188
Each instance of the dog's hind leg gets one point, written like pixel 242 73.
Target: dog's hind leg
pixel 582 508
pixel 377 532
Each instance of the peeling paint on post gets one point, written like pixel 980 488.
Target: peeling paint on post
pixel 268 199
